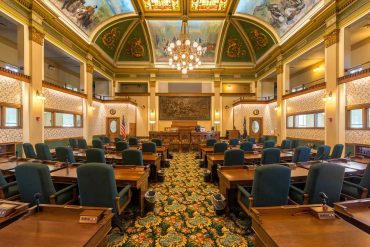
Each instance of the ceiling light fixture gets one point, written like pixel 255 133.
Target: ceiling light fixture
pixel 183 55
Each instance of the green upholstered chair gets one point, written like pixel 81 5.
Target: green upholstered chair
pixel 246 146
pixel 337 151
pixel 65 154
pixel 323 152
pixel 234 142
pixel 97 143
pixel 8 191
pixel 357 187
pixel 82 144
pixel 29 151
pixel 133 141
pixel 35 178
pixel 286 144
pixel 270 188
pixel 322 177
pixel 105 139
pixel 120 146
pixel 43 151
pixel 149 147
pixel 157 142
pixel 97 187
pixel 220 147
pixel 268 144
pixel 270 156
pixel 118 139
pixel 95 155
pixel 262 139
pixel 132 157
pixel 301 154
pixel 73 143
pixel 234 157
pixel 211 142
pixel 252 140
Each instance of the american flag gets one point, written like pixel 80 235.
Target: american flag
pixel 123 128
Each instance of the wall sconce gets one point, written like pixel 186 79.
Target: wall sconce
pixel 40 95
pixel 152 122
pixel 276 108
pixel 217 122
pixel 142 107
pixel 328 97
pixel 92 107
pixel 318 69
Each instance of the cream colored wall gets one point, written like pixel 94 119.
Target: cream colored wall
pixel 307 75
pixel 60 75
pixel 142 127
pixel 102 88
pixel 360 52
pixel 267 88
pixel 227 113
pixel 9 52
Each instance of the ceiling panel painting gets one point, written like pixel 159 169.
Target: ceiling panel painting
pixel 209 5
pixel 204 32
pixel 235 49
pixel 87 14
pixel 161 5
pixel 135 48
pixel 281 14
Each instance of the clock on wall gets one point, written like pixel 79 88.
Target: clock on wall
pixel 256 112
pixel 112 111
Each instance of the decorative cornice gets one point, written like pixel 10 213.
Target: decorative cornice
pixel 89 68
pixel 11 74
pixel 152 82
pixel 36 35
pixel 331 38
pixel 355 76
pixel 217 82
pixel 279 69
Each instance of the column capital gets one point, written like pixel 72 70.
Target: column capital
pixel 36 35
pixel 279 68
pixel 331 38
pixel 152 82
pixel 89 67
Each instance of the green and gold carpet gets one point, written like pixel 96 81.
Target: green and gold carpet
pixel 184 214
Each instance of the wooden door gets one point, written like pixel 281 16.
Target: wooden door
pixel 255 127
pixel 132 129
pixel 113 127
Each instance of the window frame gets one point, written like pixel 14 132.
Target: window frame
pixel 315 113
pixel 3 107
pixel 365 116
pixel 53 118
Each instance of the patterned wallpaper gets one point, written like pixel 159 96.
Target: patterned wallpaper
pixel 358 92
pixel 266 111
pixel 304 103
pixel 10 92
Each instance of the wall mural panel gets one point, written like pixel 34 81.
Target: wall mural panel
pixel 281 14
pixel 185 108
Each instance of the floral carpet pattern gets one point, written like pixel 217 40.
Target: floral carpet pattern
pixel 183 214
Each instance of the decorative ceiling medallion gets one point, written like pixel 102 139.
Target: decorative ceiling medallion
pixel 135 48
pixel 235 48
pixel 109 39
pixel 209 5
pixel 260 40
pixel 112 111
pixel 160 5
pixel 256 112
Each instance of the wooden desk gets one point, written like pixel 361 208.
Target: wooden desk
pixel 9 167
pixel 356 212
pixel 56 226
pixel 134 175
pixel 20 210
pixel 292 226
pixel 351 167
pixel 162 150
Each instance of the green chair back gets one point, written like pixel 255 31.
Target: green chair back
pixel 211 142
pixel 233 157
pixel 34 178
pixel 268 144
pixel 149 147
pixel 65 154
pixel 262 139
pixel 132 157
pixel 365 180
pixel 133 141
pixel 271 186
pixel 120 146
pixel 43 151
pixel 2 180
pixel 252 140
pixel 82 144
pixel 301 154
pixel 337 151
pixel 234 142
pixel 29 151
pixel 157 142
pixel 73 143
pixel 97 143
pixel 95 155
pixel 286 144
pixel 323 152
pixel 246 146
pixel 270 156
pixel 220 147
pixel 118 139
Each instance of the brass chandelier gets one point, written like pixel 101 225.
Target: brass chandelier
pixel 183 55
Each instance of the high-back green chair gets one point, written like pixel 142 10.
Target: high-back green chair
pixel 268 144
pixel 105 139
pixel 234 157
pixel 234 142
pixel 73 143
pixel 220 147
pixel 246 146
pixel 270 156
pixel 252 140
pixel 322 177
pixel 270 188
pixel 95 155
pixel 286 144
pixel 120 146
pixel 33 178
pixel 323 152
pixel 132 157
pixel 82 144
pixel 337 151
pixel 211 142
pixel 118 139
pixel 157 142
pixel 29 151
pixel 357 187
pixel 43 151
pixel 262 139
pixel 97 143
pixel 8 191
pixel 133 141
pixel 97 187
pixel 301 154
pixel 65 154
pixel 149 147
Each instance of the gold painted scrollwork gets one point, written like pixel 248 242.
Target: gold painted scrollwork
pixel 36 35
pixel 109 39
pixel 331 38
pixel 259 39
pixel 135 48
pixel 235 48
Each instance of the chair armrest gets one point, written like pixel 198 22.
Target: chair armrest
pixel 353 179
pixel 362 190
pixel 10 177
pixel 298 195
pixel 120 203
pixel 8 185
pixel 243 192
pixel 4 194
pixel 69 189
pixel 124 190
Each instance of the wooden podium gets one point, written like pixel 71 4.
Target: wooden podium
pixel 184 125
pixel 233 134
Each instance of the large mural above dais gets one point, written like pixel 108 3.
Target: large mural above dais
pixel 185 108
pixel 87 14
pixel 281 14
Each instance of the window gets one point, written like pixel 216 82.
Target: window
pixel 309 120
pixel 64 119
pixel 305 121
pixel 355 118
pixel 48 119
pixel 290 122
pixel 12 117
pixel 320 120
pixel 78 121
pixel 53 118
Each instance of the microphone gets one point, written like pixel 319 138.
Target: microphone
pixel 37 198
pixel 324 199
pixel 348 155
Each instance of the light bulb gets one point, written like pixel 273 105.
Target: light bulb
pixel 184 63
pixel 170 60
pixel 178 68
pixel 183 56
pixel 184 71
pixel 199 63
pixel 175 57
pixel 199 48
pixel 197 59
pixel 191 57
pixel 173 66
pixel 169 49
pixel 191 68
pixel 178 42
pixel 195 44
pixel 172 45
pixel 187 42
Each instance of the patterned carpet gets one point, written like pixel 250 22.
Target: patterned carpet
pixel 184 214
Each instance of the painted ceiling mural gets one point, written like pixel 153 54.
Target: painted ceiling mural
pixel 135 47
pixel 281 14
pixel 161 5
pixel 87 14
pixel 209 5
pixel 204 32
pixel 235 49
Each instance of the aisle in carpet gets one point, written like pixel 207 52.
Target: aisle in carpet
pixel 184 214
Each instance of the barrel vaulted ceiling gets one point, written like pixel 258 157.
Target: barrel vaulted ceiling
pixel 137 32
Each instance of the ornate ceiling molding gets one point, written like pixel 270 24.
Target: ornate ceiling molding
pixel 36 35
pixel 331 38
